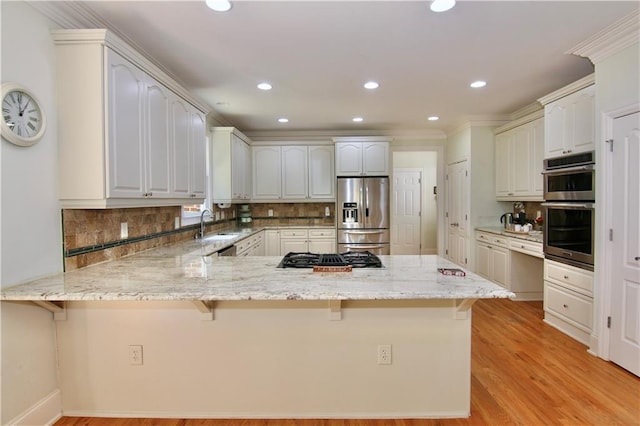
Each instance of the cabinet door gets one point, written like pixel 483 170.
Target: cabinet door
pixel 349 159
pixel 520 161
pixel 266 173
pixel 294 172
pixel 158 139
pixel 555 118
pixel 247 172
pixel 537 157
pixel 500 266
pixel 126 152
pixel 583 126
pixel 322 246
pixel 483 260
pixel 503 164
pixel 180 147
pixel 198 155
pixel 294 245
pixel 238 159
pixel 375 158
pixel 272 242
pixel 322 178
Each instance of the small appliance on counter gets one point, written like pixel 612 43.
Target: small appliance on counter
pixel 244 215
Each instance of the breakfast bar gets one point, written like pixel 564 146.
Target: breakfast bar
pixel 238 337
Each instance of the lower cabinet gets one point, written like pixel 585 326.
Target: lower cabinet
pixel 513 263
pixel 251 246
pixel 272 242
pixel 308 240
pixel 568 299
pixel 492 261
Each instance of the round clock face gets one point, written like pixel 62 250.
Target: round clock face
pixel 22 118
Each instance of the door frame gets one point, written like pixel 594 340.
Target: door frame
pixel 600 338
pixel 440 172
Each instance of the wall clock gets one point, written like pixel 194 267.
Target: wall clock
pixel 23 122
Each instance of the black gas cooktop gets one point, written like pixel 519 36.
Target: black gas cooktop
pixel 309 260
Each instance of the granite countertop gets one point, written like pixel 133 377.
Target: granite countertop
pixel 185 271
pixel 535 236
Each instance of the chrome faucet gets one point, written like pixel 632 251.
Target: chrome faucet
pixel 201 233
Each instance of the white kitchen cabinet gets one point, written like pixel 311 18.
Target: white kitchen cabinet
pixel 518 160
pixel 492 258
pixel 570 119
pixel 266 172
pixel 293 172
pixel 230 160
pixel 116 125
pixel 568 299
pixel 272 242
pixel 358 157
pixel 198 157
pixel 188 131
pixel 314 240
pixel 251 246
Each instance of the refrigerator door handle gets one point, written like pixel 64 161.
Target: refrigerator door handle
pixel 380 231
pixel 363 246
pixel 366 202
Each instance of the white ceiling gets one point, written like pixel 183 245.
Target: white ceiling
pixel 318 54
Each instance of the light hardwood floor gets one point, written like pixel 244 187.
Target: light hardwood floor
pixel 523 372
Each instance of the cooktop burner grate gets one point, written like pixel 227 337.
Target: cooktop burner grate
pixel 309 260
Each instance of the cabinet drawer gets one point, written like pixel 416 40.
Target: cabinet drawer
pixel 573 307
pixel 294 233
pixel 483 236
pixel 526 247
pixel 322 233
pixel 493 239
pixel 576 279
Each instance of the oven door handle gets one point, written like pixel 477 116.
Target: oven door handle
pixel 561 171
pixel 569 205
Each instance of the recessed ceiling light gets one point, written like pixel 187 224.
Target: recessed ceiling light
pixel 264 86
pixel 477 84
pixel 371 85
pixel 219 5
pixel 357 119
pixel 442 5
pixel 433 118
pixel 283 120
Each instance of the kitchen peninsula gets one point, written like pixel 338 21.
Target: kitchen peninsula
pixel 277 343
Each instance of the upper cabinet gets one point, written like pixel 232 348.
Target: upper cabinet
pixel 230 165
pixel 570 119
pixel 518 160
pixel 122 140
pixel 362 157
pixel 293 173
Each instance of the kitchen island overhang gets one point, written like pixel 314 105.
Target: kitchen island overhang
pixel 283 344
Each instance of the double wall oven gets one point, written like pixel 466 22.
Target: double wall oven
pixel 569 193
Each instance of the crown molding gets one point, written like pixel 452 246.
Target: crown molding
pixel 520 121
pixel 611 40
pixel 568 89
pixel 323 135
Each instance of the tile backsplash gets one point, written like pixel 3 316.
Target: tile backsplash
pixel 93 236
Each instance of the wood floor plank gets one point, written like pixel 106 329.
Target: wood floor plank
pixel 523 372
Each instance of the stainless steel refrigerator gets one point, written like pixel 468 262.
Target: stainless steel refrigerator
pixel 363 214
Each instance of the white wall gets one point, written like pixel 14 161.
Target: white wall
pixel 30 216
pixel 428 162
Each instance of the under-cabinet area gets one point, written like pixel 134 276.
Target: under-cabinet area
pixel 511 261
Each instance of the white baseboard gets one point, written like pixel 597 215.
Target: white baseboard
pixel 47 411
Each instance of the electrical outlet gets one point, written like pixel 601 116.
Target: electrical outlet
pixel 384 354
pixel 135 354
pixel 176 223
pixel 124 231
pixel 270 212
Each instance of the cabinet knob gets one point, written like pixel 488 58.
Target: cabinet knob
pixel 565 305
pixel 636 258
pixel 521 247
pixel 566 277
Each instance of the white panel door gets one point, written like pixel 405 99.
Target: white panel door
pixel 198 155
pixel 294 172
pixel 125 117
pixel 322 177
pixel 180 150
pixel 457 213
pixel 266 173
pixel 158 139
pixel 625 280
pixel 405 212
